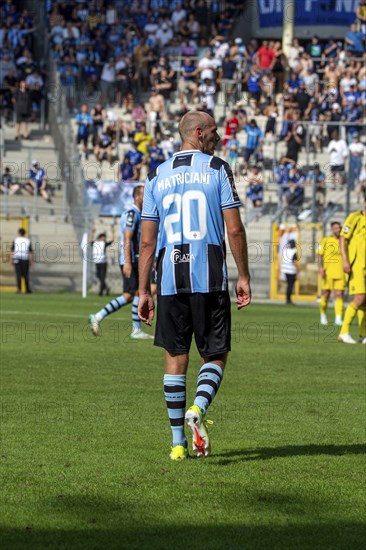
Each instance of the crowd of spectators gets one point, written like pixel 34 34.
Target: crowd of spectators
pixel 135 56
pixel 22 81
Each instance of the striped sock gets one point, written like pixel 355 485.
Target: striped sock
pixel 136 323
pixel 175 397
pixel 208 383
pixel 114 305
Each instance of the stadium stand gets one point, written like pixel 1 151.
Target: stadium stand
pixel 113 67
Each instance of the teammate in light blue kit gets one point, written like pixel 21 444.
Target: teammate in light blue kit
pixel 190 198
pixel 130 226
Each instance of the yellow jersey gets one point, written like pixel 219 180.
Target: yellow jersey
pixel 332 259
pixel 354 231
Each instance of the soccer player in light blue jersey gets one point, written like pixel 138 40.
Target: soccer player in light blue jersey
pixel 190 198
pixel 130 225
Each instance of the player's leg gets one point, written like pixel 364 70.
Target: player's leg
pixel 18 274
pixel 361 314
pixel 323 305
pixel 338 307
pixel 175 398
pixel 211 314
pixel 174 333
pixel 350 313
pixel 132 284
pixel 114 305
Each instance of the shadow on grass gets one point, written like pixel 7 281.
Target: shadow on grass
pixel 267 453
pixel 324 536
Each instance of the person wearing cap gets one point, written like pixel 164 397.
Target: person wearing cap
pixel 37 182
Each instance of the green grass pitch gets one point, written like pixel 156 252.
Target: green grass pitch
pixel 86 440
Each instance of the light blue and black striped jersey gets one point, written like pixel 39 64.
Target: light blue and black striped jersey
pixel 130 220
pixel 186 194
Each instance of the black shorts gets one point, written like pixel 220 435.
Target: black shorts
pixel 207 316
pixel 22 117
pixel 82 139
pixel 248 153
pixel 131 284
pixel 337 168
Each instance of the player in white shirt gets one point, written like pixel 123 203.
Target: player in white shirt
pixel 338 152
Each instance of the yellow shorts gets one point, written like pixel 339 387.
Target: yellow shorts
pixel 333 284
pixel 357 281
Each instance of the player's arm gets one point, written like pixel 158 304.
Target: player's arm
pixel 343 243
pixel 127 240
pixel 239 249
pixel 149 231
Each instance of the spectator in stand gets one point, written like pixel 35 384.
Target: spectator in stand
pixel 126 170
pixel 141 59
pixel 22 105
pixel 278 66
pixel 164 86
pixel 98 114
pixel 232 147
pixel 84 122
pixel 338 152
pixel 231 126
pixel 136 159
pixel 294 138
pixel 271 112
pixel 227 79
pixel 315 50
pixel 187 80
pixel 311 80
pixel 209 66
pixel 254 141
pixel 293 83
pixel 332 49
pixel 157 111
pixel 35 85
pixel 253 81
pixel 206 94
pixel 156 155
pixel 7 185
pixel 178 15
pixel 108 81
pixel 167 145
pixel 255 189
pixel 163 35
pixel 361 16
pixel 103 147
pixel 37 182
pixel 353 116
pixel 357 152
pixel 332 74
pixel 355 41
pixel 265 56
pixel 68 72
pixel 295 54
pixel 317 177
pixel 281 175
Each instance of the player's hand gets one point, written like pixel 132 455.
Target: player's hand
pixel 243 293
pixel 127 270
pixel 346 267
pixel 146 308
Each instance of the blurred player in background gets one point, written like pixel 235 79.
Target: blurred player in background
pixel 332 275
pixel 130 226
pixel 353 249
pixel 190 198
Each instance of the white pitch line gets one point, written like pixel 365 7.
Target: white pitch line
pixel 14 312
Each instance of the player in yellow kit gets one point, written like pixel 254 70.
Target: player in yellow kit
pixel 331 272
pixel 353 249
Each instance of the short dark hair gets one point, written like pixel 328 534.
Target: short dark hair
pixel 335 223
pixel 137 190
pixel 22 231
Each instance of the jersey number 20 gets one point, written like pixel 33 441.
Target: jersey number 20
pixel 183 205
